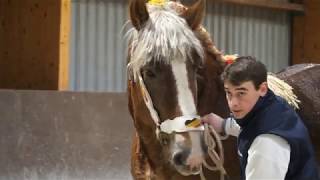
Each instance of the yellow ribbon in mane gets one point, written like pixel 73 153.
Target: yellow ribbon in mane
pixel 230 58
pixel 157 2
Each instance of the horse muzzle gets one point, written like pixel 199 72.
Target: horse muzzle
pixel 187 165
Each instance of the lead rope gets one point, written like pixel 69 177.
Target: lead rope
pixel 213 139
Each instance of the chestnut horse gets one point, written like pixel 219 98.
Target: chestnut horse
pixel 173 77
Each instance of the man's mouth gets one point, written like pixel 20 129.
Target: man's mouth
pixel 236 111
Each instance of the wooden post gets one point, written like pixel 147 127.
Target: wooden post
pixel 306 36
pixel 64 58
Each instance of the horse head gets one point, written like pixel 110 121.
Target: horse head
pixel 169 60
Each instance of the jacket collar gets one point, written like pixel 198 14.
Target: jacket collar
pixel 260 104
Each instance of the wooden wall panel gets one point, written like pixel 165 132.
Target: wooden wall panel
pixel 312 25
pixel 306 34
pixel 29 44
pixel 298 39
pixel 273 4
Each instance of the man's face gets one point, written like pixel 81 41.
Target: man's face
pixel 241 99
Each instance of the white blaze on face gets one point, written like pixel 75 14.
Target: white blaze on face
pixel 179 138
pixel 196 157
pixel 187 107
pixel 185 98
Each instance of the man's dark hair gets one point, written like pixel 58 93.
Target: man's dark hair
pixel 245 68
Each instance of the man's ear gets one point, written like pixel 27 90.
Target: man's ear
pixel 263 89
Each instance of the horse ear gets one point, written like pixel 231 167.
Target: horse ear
pixel 194 15
pixel 138 13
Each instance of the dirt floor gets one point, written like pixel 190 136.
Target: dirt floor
pixel 50 135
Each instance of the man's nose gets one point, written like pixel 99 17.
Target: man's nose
pixel 233 102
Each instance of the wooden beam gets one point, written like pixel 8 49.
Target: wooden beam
pixel 64 59
pixel 286 6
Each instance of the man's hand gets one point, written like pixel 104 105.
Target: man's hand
pixel 214 120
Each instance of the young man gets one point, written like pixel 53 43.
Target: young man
pixel 273 142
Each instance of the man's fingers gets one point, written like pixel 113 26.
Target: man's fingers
pixel 207 118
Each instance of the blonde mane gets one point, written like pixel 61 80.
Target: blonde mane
pixel 283 89
pixel 165 37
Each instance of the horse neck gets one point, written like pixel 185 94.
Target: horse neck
pixel 212 97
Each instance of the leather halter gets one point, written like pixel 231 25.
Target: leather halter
pixel 178 124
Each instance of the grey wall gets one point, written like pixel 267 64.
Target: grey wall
pixel 98 50
pixel 258 32
pixel 97 47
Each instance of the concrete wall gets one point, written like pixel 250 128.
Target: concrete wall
pixel 47 135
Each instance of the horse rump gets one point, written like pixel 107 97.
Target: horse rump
pixel 305 80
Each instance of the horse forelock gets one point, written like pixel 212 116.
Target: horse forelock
pixel 165 37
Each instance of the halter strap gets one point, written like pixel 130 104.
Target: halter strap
pixel 179 124
pixel 182 124
pixel 148 101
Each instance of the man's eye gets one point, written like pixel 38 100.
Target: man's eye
pixel 241 94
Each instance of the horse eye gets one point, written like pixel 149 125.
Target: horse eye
pixel 197 67
pixel 149 73
pixel 200 67
pixel 199 77
pixel 198 71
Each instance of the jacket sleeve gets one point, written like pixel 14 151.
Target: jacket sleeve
pixel 268 158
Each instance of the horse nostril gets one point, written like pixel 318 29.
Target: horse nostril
pixel 195 169
pixel 178 159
